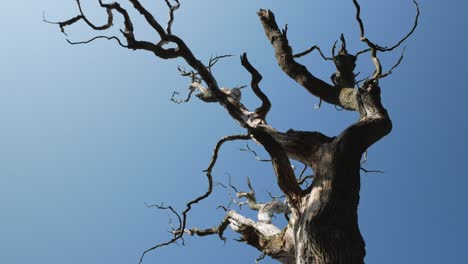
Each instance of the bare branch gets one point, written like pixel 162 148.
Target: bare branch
pixel 162 207
pixel 260 258
pixel 230 184
pixel 195 77
pixel 344 97
pixel 132 43
pixel 309 50
pixel 304 169
pixel 179 234
pixel 150 19
pixel 98 37
pixel 374 47
pixel 90 24
pixel 218 146
pixel 371 171
pixel 415 25
pixel 75 19
pixel 302 180
pixel 250 195
pixel 172 9
pixel 231 198
pixel 179 101
pixel 263 110
pixel 362 52
pixel 62 25
pixel 394 66
pixel 264 236
pixel 213 60
pixel 358 82
pixel 255 154
pixel 211 231
pixel 274 197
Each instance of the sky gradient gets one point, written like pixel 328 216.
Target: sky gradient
pixel 88 133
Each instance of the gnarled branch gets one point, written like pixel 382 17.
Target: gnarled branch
pixel 172 9
pixel 179 234
pixel 263 110
pixel 374 47
pixel 343 97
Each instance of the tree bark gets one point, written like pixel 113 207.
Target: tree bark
pixel 327 229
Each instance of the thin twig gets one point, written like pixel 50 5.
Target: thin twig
pixel 309 50
pixel 371 171
pixel 179 101
pixel 394 66
pixel 213 60
pixel 98 37
pixel 248 149
pixel 260 258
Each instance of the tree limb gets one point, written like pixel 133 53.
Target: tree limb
pixel 344 97
pixel 263 110
pixel 172 9
pixel 285 176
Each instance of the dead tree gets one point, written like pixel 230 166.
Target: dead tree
pixel 323 221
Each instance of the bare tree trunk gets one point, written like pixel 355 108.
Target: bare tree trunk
pixel 327 228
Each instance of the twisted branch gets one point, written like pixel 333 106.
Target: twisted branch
pixel 373 48
pixel 263 110
pixel 172 9
pixel 178 234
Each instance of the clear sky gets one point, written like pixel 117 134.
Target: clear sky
pixel 88 134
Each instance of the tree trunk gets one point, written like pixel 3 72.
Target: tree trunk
pixel 327 230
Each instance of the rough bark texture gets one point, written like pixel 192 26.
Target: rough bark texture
pixel 323 222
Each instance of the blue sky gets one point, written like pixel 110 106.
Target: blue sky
pixel 88 134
